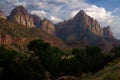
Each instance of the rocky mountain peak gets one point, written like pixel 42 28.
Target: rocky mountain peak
pixel 37 20
pixel 107 32
pixel 19 9
pixel 20 15
pixel 48 27
pixel 80 13
pixel 2 15
pixel 45 20
pixel 82 27
pixel 85 22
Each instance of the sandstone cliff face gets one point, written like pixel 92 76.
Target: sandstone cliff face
pixel 37 20
pixel 20 15
pixel 48 27
pixel 2 15
pixel 45 25
pixel 87 23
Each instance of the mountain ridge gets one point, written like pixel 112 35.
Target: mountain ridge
pixel 81 30
pixel 20 15
pixel 83 23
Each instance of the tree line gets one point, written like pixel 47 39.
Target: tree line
pixel 45 62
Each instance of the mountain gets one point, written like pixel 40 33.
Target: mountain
pixel 16 34
pixel 21 16
pixel 82 28
pixel 80 31
pixel 48 27
pixel 107 32
pixel 85 23
pixel 2 15
pixel 37 20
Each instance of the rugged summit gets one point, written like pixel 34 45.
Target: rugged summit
pixel 2 15
pixel 87 23
pixel 37 20
pixel 20 15
pixel 82 27
pixel 107 32
pixel 48 27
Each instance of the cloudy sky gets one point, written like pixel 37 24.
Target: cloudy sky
pixel 107 12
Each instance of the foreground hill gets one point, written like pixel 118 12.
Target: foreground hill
pixel 20 27
pixel 110 72
pixel 13 33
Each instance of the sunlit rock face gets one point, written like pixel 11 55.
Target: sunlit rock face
pixel 2 15
pixel 20 15
pixel 48 27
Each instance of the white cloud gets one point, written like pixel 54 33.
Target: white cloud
pixel 55 19
pixel 58 10
pixel 97 12
pixel 116 10
pixel 100 14
pixel 73 13
pixel 39 13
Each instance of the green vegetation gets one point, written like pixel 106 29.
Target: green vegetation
pixel 111 71
pixel 44 62
pixel 40 61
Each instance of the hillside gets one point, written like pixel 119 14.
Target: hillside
pixel 16 33
pixel 110 72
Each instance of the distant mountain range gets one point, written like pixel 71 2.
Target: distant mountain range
pixel 80 31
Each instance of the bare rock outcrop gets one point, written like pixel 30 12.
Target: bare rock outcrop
pixel 107 32
pixel 20 15
pixel 2 15
pixel 82 27
pixel 48 27
pixel 37 20
pixel 85 22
